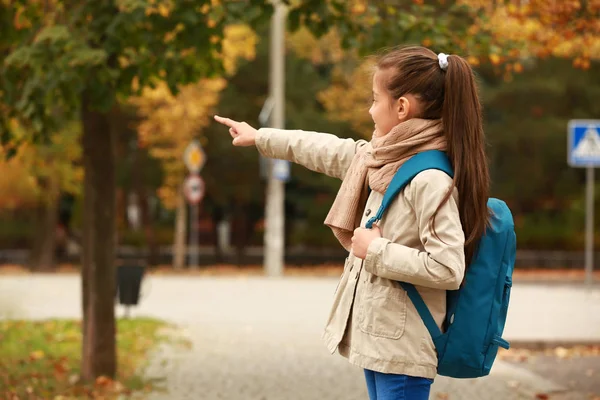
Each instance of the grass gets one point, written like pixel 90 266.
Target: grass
pixel 41 360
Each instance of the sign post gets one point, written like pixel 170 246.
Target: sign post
pixel 193 189
pixel 584 152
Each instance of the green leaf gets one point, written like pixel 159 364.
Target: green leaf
pixel 294 20
pixel 53 34
pixel 87 57
pixel 10 153
pixel 19 58
pixel 6 134
pixel 337 6
pixel 132 5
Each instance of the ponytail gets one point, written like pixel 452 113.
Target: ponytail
pixel 446 88
pixel 463 127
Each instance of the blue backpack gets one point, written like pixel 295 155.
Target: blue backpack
pixel 476 313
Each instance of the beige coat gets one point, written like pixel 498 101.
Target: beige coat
pixel 372 321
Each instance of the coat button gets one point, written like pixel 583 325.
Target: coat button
pixel 368 212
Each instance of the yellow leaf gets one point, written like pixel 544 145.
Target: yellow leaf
pixel 36 355
pixel 163 10
pixel 358 8
pixel 474 61
pixel 239 42
pixel 495 59
pixel 585 64
pixel 518 68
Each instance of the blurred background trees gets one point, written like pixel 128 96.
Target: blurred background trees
pixel 536 62
pixel 99 99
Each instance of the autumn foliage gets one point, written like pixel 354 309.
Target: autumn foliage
pixel 566 28
pixel 170 122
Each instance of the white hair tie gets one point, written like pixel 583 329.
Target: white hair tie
pixel 443 60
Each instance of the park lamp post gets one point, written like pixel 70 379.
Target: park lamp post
pixel 278 170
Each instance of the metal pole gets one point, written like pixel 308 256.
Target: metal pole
pixel 589 227
pixel 275 212
pixel 179 245
pixel 194 236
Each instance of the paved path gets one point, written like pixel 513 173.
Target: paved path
pixel 259 338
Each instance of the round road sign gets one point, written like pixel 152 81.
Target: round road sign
pixel 193 188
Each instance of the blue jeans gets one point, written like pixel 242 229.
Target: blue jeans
pixel 396 387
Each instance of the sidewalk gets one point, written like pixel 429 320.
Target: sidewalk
pixel 553 314
pixel 259 338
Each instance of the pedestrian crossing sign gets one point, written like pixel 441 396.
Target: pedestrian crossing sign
pixel 584 143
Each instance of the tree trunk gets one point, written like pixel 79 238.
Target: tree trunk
pixel 180 233
pixel 98 271
pixel 139 185
pixel 148 226
pixel 47 256
pixel 216 220
pixel 241 221
pixel 44 247
pixel 225 237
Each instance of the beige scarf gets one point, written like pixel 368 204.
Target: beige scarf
pixel 374 165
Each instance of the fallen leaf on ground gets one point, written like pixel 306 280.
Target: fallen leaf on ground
pixel 60 368
pixel 542 396
pixel 442 396
pixel 119 387
pixel 103 381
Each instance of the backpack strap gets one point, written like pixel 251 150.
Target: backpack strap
pixel 421 307
pixel 431 159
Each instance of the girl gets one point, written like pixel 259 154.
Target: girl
pixel 421 101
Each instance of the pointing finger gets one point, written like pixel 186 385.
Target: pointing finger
pixel 226 121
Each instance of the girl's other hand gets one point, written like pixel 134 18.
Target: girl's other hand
pixel 243 134
pixel 362 239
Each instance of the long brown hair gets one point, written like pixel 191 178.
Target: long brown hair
pixel 451 95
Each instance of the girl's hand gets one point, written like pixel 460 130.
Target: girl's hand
pixel 243 134
pixel 362 239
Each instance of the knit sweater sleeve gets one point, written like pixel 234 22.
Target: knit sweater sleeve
pixel 321 152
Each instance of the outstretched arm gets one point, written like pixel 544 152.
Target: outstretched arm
pixel 316 151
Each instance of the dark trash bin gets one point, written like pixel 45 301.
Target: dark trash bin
pixel 129 283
